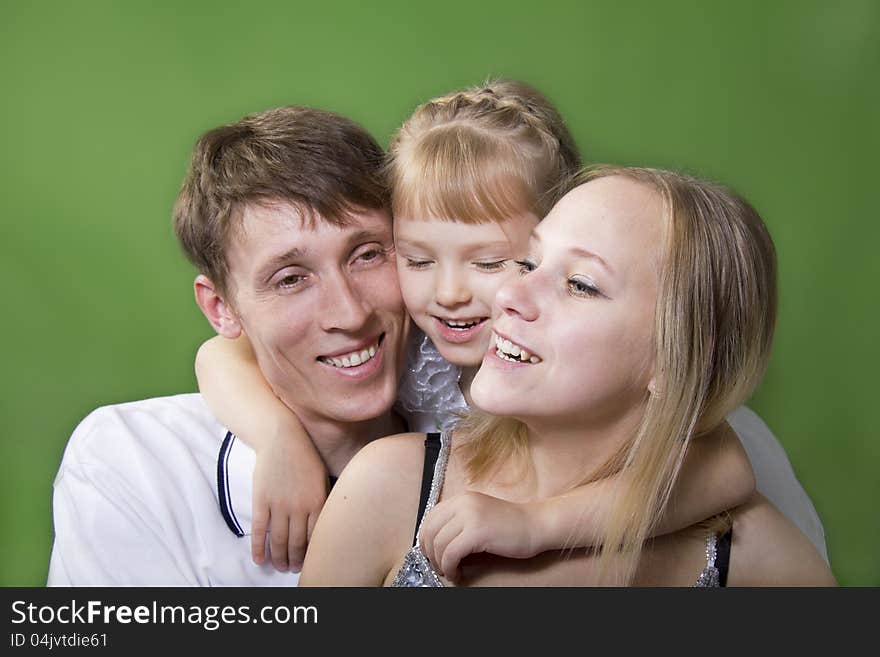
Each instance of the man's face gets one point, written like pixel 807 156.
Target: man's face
pixel 322 308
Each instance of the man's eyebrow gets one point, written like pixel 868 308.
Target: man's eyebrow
pixel 369 235
pixel 277 261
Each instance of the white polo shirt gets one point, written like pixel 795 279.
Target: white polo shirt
pixel 156 493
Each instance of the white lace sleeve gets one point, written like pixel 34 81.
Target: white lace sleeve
pixel 428 394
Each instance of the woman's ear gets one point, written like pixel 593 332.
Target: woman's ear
pixel 216 309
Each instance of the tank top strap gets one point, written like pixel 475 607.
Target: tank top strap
pixel 433 472
pixel 722 556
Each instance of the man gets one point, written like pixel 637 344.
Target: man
pixel 285 214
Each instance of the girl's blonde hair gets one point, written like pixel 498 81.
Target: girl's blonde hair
pixel 486 153
pixel 714 323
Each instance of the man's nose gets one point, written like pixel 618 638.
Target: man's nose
pixel 452 288
pixel 343 307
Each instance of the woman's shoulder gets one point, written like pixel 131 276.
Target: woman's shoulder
pixel 368 519
pixel 391 452
pixel 769 550
pixel 385 468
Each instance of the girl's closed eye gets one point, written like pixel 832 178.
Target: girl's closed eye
pixel 417 263
pixel 491 265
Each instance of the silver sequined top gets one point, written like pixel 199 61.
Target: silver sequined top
pixel 416 571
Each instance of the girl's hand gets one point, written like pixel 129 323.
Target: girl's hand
pixel 471 523
pixel 290 487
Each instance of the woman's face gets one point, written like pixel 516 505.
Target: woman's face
pixel 582 309
pixel 449 274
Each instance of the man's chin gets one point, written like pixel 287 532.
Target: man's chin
pixel 367 404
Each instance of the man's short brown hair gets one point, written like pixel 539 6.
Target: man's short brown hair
pixel 325 165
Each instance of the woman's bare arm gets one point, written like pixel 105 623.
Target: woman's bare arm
pixel 368 521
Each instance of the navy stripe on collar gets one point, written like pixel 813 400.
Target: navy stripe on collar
pixel 223 492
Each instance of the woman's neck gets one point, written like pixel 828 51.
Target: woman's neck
pixel 465 379
pixel 564 453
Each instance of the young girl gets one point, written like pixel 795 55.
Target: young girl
pixel 644 314
pixel 471 173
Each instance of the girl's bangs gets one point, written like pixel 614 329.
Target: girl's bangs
pixel 467 179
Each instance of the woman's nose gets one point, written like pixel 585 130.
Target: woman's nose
pixel 517 297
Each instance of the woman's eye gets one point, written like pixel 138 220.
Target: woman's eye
pixel 414 263
pixel 525 266
pixel 494 265
pixel 583 287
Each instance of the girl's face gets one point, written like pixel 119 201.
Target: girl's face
pixel 582 309
pixel 449 274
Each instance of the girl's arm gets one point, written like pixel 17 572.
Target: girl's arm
pixel 716 475
pixel 290 479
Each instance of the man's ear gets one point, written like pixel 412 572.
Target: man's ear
pixel 219 313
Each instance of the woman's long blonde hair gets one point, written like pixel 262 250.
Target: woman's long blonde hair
pixel 486 153
pixel 714 323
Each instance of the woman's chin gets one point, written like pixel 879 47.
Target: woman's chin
pixel 486 396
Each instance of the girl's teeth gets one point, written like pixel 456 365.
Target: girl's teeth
pixel 460 325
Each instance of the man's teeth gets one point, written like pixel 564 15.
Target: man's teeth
pixel 506 350
pixel 455 324
pixel 353 359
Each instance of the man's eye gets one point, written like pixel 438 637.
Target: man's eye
pixel 291 280
pixel 495 265
pixel 372 255
pixel 525 266
pixel 414 263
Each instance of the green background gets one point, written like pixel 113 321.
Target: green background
pixel 102 101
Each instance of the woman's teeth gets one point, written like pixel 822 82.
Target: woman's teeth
pixel 353 359
pixel 506 350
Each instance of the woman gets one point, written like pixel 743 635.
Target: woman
pixel 644 315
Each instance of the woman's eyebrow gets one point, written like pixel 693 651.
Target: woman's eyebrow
pixel 584 253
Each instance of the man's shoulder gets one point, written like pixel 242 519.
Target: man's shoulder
pixel 120 432
pixel 185 405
